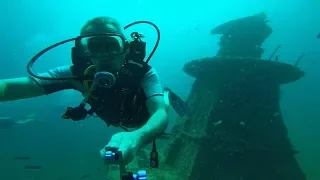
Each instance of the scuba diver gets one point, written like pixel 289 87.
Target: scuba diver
pixel 118 85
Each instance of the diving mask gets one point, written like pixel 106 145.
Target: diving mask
pixel 103 46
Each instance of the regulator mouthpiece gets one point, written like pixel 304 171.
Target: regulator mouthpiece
pixel 104 79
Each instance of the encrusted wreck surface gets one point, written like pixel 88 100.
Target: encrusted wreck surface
pixel 237 131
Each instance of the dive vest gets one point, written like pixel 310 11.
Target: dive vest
pixel 124 103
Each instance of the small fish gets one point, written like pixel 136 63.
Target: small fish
pixel 22 158
pixel 85 176
pixel 30 167
pixel 318 35
pixel 5 118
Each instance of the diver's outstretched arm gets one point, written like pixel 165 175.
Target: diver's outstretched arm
pixel 19 88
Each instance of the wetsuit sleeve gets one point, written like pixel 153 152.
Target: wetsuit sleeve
pixel 51 86
pixel 151 84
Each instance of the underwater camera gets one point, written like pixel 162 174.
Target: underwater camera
pixel 115 157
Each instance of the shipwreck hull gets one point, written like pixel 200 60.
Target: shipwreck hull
pixel 237 131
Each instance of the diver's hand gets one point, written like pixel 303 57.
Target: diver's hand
pixel 126 142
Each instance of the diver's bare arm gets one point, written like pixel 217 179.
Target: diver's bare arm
pixel 19 88
pixel 157 123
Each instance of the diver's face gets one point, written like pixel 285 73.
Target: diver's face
pixel 108 62
pixel 106 52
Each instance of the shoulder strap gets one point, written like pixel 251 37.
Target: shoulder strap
pixel 133 72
